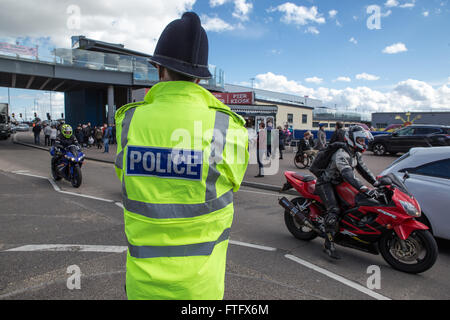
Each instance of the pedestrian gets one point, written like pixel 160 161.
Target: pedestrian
pixel 178 196
pixel 106 136
pixel 98 137
pixel 37 132
pixel 306 145
pixel 53 135
pixel 269 138
pixel 86 133
pixel 339 133
pixel 321 138
pixel 113 138
pixel 47 132
pixel 281 138
pixel 261 142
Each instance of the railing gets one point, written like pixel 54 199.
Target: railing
pixel 342 116
pixel 142 70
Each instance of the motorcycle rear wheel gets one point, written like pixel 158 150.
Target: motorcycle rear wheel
pixel 76 177
pixel 420 255
pixel 295 228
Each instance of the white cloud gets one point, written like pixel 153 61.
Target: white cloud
pixel 426 13
pixel 406 95
pixel 395 48
pixel 315 80
pixel 391 3
pixel 395 3
pixel 312 30
pixel 242 8
pixel 342 79
pixel 215 24
pixel 416 90
pixel 137 26
pixel 353 40
pixel 332 13
pixel 408 5
pixel 215 3
pixel 299 15
pixel 366 76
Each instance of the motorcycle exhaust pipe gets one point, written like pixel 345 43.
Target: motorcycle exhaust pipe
pixel 294 211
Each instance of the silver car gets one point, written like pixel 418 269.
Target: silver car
pixel 429 183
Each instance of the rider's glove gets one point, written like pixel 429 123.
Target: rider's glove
pixel 371 193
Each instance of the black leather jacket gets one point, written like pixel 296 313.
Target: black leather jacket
pixel 63 142
pixel 342 167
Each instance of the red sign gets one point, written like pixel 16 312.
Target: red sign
pixel 235 97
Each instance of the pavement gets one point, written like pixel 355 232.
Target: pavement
pixel 274 173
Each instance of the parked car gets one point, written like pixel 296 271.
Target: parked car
pixel 429 183
pixel 410 137
pixel 22 127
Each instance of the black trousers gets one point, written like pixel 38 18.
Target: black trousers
pixel 326 192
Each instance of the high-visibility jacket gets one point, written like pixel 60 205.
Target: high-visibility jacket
pixel 181 154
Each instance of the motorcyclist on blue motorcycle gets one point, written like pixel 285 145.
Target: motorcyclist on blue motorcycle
pixel 63 140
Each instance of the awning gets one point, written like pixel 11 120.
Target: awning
pixel 255 109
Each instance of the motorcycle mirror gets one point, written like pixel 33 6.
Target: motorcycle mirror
pixel 405 176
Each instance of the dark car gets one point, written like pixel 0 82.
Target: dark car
pixel 410 137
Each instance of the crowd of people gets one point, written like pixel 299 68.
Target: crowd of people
pixel 96 136
pixel 87 135
pixel 308 145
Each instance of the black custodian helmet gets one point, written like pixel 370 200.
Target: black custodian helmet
pixel 183 47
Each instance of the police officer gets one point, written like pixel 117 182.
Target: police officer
pixel 181 156
pixel 342 168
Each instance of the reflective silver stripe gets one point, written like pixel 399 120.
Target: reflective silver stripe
pixel 175 210
pixel 217 146
pixel 124 136
pixel 188 250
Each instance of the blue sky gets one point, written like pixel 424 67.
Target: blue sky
pixel 331 50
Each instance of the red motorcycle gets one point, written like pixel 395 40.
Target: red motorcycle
pixel 383 224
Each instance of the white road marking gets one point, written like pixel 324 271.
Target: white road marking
pixel 58 189
pixel 336 277
pixel 265 193
pixel 69 247
pixel 244 244
pixel 120 249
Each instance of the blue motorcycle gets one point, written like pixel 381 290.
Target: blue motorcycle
pixel 66 163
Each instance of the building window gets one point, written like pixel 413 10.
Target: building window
pixel 316 124
pixel 381 125
pixel 304 118
pixel 290 118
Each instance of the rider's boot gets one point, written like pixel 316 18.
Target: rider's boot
pixel 331 226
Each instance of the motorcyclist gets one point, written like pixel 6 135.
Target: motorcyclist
pixel 342 168
pixel 63 140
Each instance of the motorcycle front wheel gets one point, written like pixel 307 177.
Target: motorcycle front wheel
pixel 76 177
pixel 55 175
pixel 417 254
